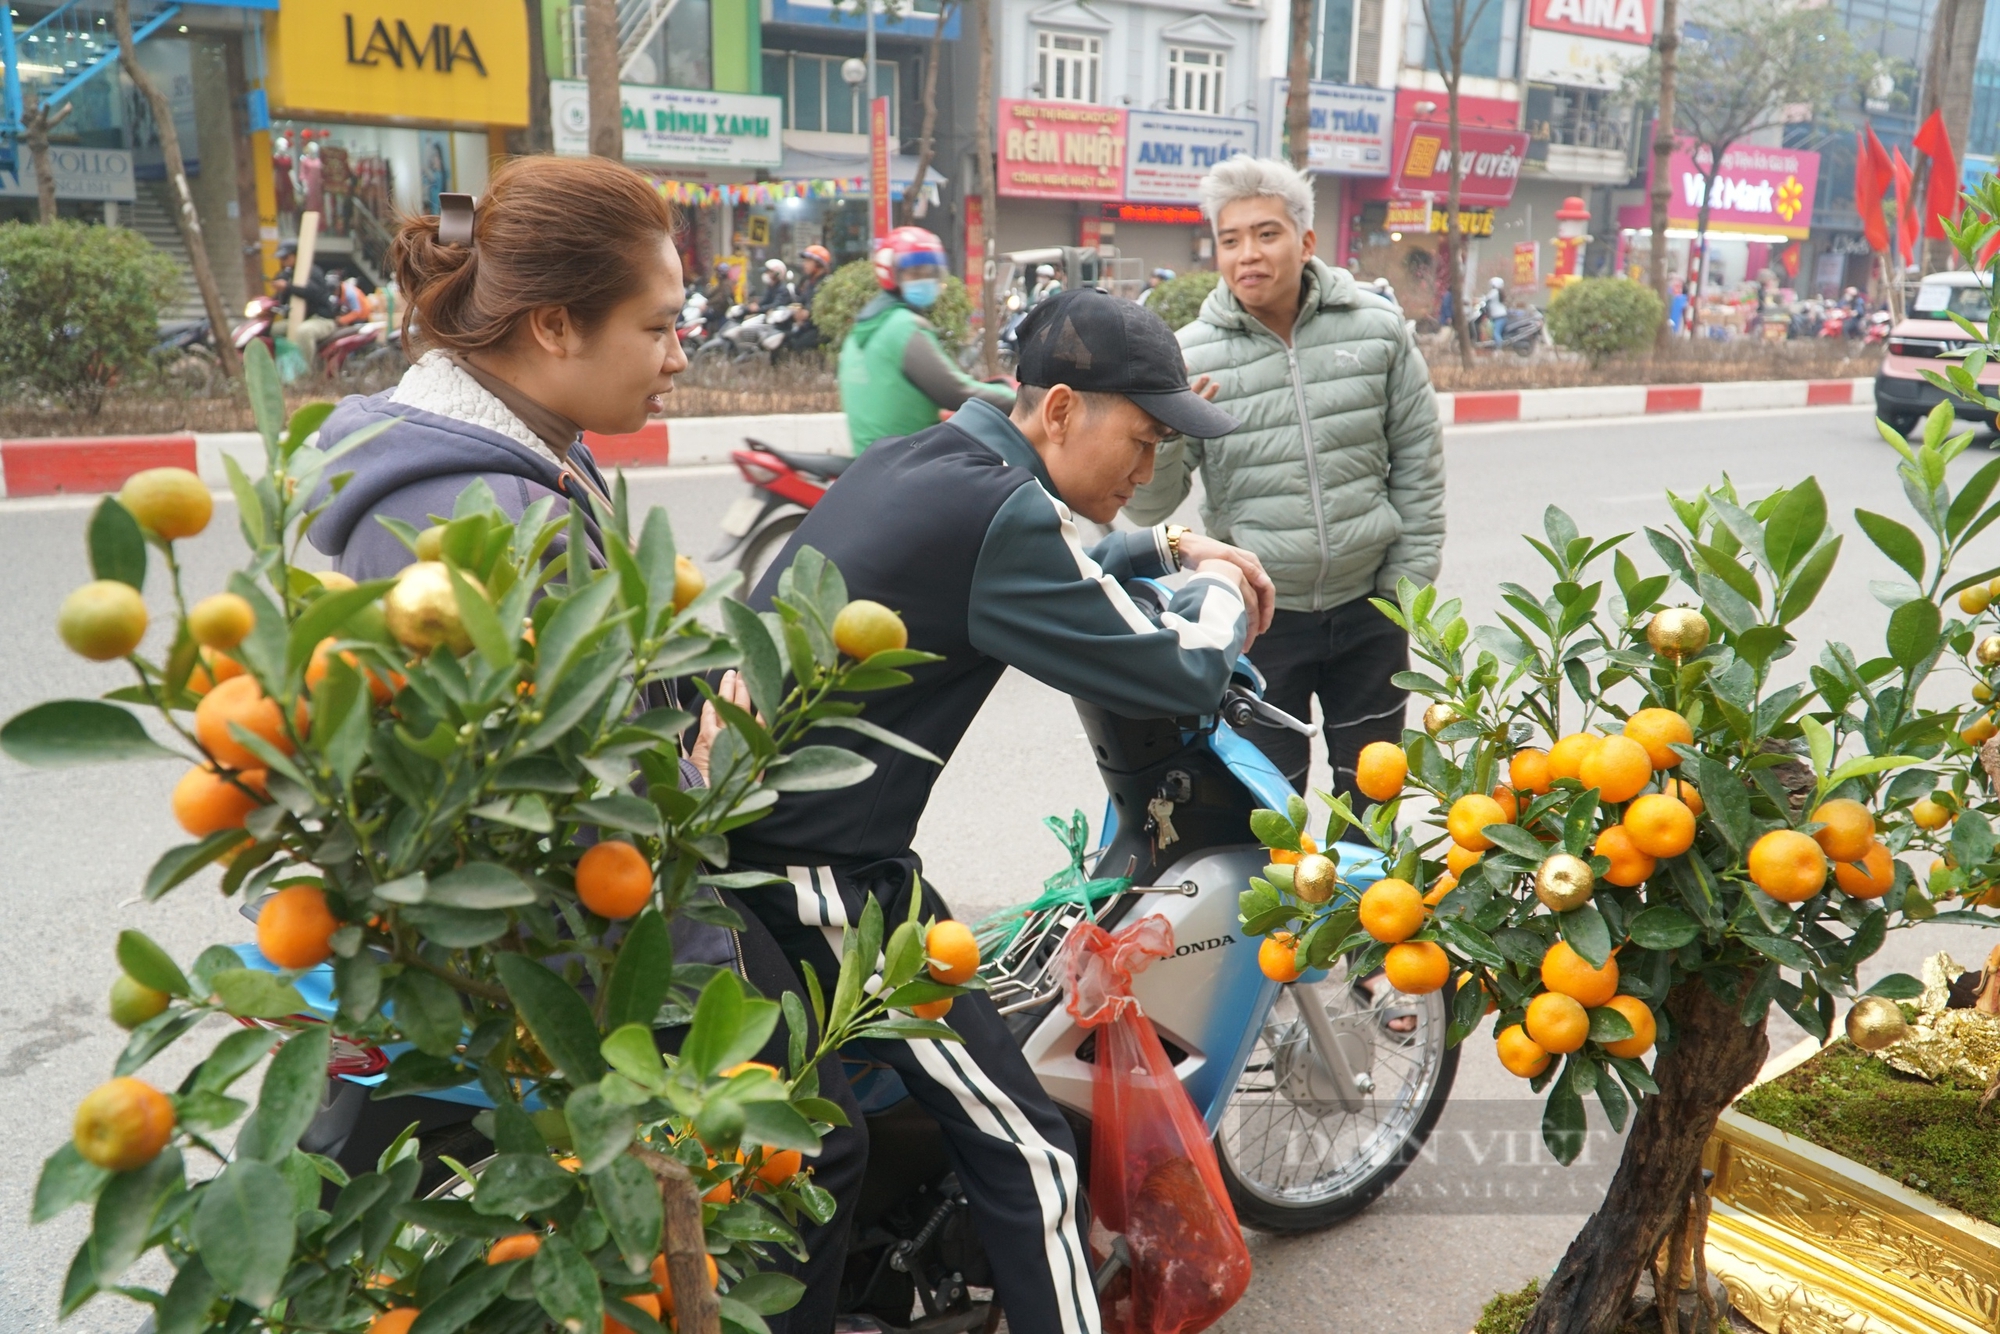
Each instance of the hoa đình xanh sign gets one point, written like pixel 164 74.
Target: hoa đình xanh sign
pixel 1766 191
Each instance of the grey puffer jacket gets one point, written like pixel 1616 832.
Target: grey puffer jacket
pixel 1336 477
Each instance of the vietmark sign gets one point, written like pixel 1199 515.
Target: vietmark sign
pixel 1618 20
pixel 1489 163
pixel 1763 190
pixel 1061 150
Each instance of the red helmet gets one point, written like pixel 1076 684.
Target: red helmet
pixel 819 254
pixel 902 248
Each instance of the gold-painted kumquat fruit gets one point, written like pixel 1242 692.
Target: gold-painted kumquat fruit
pixel 1629 866
pixel 1877 879
pixel 1849 832
pixel 123 1124
pixel 1557 1023
pixel 1521 1054
pixel 295 928
pixel 1391 910
pixel 1644 1027
pixel 1787 865
pixel 1568 973
pixel 1660 825
pixel 614 880
pixel 1468 818
pixel 1619 768
pixel 1416 967
pixel 951 952
pixel 1380 769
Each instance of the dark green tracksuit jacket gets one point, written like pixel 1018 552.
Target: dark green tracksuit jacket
pixel 960 530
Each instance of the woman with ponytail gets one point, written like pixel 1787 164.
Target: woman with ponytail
pixel 545 310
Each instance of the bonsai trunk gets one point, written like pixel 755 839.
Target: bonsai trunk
pixel 1713 1058
pixel 696 1310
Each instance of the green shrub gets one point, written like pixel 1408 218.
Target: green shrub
pixel 1602 317
pixel 851 286
pixel 1178 300
pixel 79 306
pixel 1507 1311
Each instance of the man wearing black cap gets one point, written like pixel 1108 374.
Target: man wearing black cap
pixel 967 529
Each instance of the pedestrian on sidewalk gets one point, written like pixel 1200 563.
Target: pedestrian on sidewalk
pixel 1336 476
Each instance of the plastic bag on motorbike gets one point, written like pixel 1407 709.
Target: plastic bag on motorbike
pixel 1153 1175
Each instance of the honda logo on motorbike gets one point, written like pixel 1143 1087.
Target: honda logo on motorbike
pixel 1196 947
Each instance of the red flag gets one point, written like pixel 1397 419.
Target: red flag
pixel 1906 221
pixel 1790 260
pixel 1872 177
pixel 1941 186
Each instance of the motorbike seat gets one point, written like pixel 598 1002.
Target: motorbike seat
pixel 813 465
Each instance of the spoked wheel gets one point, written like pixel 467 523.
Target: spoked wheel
pixel 765 546
pixel 1304 1145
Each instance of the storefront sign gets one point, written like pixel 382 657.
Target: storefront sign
pixel 1489 163
pixel 440 61
pixel 81 173
pixel 1570 61
pixel 681 126
pixel 1629 21
pixel 1527 263
pixel 1167 154
pixel 878 165
pixel 1348 127
pixel 1762 190
pixel 1407 215
pixel 1182 215
pixel 1061 150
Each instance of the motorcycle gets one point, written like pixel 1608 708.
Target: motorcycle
pixel 1523 332
pixel 745 338
pixel 783 486
pixel 350 350
pixel 1318 1092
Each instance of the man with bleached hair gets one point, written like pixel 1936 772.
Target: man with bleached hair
pixel 1335 477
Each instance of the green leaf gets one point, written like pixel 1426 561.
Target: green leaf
pixel 480 885
pixel 1819 742
pixel 455 1218
pixel 1585 930
pixel 1274 830
pixel 1662 927
pixel 641 974
pixel 252 993
pixel 427 1011
pixel 294 1087
pixel 728 1029
pixel 557 1016
pixel 559 641
pixel 1468 941
pixel 325 616
pixel 1786 953
pixel 777 1125
pixel 1562 1118
pixel 1727 802
pixel 600 1128
pixel 64 732
pixel 458 1305
pixel 125 1212
pixel 147 963
pixel 876 732
pixel 67 1180
pixel 629 1199
pixel 1608 1025
pixel 1795 525
pixel 456 928
pixel 620 810
pixel 184 1309
pixel 117 547
pixel 482 625
pixel 817 769
pixel 1913 632
pixel 1516 840
pixel 1896 986
pixel 521 1183
pixel 267 405
pixel 243 1227
pixel 177 865
pixel 1867 764
pixel 565 1284
pixel 153 1037
pixel 763 670
pixel 768 1292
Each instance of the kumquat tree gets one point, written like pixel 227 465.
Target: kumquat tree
pixel 1639 814
pixel 459 790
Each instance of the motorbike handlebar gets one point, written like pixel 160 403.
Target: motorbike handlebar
pixel 1241 708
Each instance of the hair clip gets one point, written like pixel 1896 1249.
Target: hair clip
pixel 455 215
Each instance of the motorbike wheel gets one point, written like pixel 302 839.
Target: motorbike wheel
pixel 764 547
pixel 712 350
pixel 1293 1160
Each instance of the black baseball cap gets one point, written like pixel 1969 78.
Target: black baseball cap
pixel 1097 343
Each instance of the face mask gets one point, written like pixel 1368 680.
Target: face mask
pixel 921 292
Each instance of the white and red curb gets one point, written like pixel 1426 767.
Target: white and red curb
pixel 88 465
pixel 1643 400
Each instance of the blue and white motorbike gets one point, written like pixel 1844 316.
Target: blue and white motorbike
pixel 1319 1092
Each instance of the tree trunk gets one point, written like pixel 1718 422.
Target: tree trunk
pixel 1947 88
pixel 36 124
pixel 684 1245
pixel 989 187
pixel 927 137
pixel 1712 1059
pixel 1298 88
pixel 184 212
pixel 607 111
pixel 1461 324
pixel 1663 151
pixel 539 136
pixel 1700 285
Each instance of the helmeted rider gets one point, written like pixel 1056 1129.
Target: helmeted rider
pixel 815 262
pixel 776 291
pixel 895 378
pixel 1047 284
pixel 1154 281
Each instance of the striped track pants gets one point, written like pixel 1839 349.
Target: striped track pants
pixel 1011 1148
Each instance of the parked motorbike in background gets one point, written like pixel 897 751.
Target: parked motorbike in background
pixel 783 485
pixel 746 338
pixel 347 352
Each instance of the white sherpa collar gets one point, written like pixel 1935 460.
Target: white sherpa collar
pixel 438 384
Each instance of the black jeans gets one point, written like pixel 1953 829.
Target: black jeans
pixel 1343 656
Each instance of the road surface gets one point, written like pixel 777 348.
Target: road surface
pixel 1485 1212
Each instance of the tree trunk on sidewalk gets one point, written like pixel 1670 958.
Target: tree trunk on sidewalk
pixel 1698 288
pixel 538 136
pixel 989 187
pixel 1714 1057
pixel 1454 236
pixel 1947 88
pixel 1663 150
pixel 36 124
pixel 1298 88
pixel 927 137
pixel 177 181
pixel 607 110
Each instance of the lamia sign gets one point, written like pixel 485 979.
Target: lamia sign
pixel 1615 20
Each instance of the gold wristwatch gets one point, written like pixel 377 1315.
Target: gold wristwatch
pixel 1175 531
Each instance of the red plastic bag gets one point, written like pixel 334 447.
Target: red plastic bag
pixel 1153 1175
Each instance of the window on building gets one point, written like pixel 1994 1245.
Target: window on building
pixel 1067 65
pixel 1489 40
pixel 1333 56
pixel 816 97
pixel 1194 80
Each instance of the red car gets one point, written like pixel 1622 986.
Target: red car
pixel 1928 340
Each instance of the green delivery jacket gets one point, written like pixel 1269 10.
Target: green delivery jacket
pixel 1336 477
pixel 895 378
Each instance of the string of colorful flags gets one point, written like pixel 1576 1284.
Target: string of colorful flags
pixel 694 194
